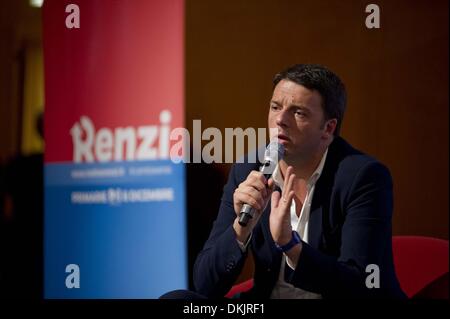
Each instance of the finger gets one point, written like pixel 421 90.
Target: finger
pixel 256 183
pixel 255 193
pixel 257 176
pixel 249 191
pixel 270 183
pixel 260 187
pixel 290 184
pixel 242 199
pixel 270 187
pixel 286 202
pixel 286 178
pixel 275 200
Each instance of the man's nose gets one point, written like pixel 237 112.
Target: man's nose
pixel 282 118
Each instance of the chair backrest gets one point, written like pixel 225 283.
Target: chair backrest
pixel 421 264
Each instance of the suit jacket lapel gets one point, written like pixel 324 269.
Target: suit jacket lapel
pixel 322 195
pixel 315 218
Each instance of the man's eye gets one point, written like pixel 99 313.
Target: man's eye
pixel 300 113
pixel 274 107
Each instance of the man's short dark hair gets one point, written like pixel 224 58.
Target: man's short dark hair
pixel 328 84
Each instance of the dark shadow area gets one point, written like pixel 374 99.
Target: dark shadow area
pixel 204 184
pixel 21 227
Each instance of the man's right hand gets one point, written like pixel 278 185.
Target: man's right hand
pixel 254 191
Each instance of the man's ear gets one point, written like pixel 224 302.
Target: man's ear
pixel 330 127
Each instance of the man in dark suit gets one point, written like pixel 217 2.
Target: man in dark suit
pixel 322 227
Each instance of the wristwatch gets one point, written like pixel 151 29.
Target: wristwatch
pixel 294 241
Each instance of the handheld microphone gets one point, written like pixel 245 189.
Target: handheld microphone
pixel 274 152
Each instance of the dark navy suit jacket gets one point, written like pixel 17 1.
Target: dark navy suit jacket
pixel 349 228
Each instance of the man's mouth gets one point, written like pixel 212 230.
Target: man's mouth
pixel 282 137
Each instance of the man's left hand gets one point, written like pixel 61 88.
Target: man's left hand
pixel 280 218
pixel 280 215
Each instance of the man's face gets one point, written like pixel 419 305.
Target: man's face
pixel 296 112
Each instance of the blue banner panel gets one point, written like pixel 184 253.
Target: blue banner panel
pixel 119 226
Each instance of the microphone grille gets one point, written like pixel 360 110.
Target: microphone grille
pixel 274 152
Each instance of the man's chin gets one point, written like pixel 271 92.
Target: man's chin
pixel 292 154
pixel 288 154
pixel 283 142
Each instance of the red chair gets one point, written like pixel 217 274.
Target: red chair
pixel 243 286
pixel 421 264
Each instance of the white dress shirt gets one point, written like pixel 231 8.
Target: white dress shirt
pixel 282 289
